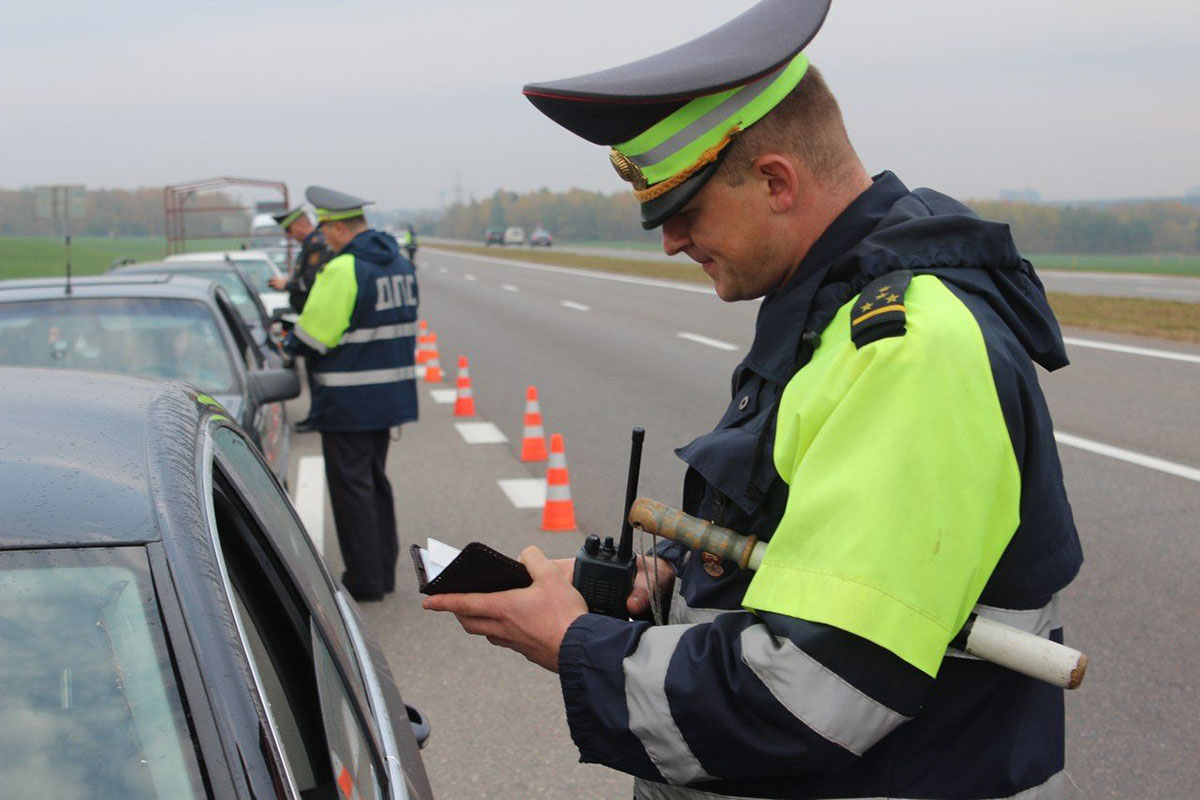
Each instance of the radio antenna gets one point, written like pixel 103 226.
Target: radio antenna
pixel 625 548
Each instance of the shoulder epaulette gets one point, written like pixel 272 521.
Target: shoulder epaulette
pixel 878 313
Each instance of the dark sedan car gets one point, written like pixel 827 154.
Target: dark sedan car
pixel 233 279
pixel 167 629
pixel 154 326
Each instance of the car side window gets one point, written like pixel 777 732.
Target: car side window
pixel 319 714
pixel 241 335
pixel 278 519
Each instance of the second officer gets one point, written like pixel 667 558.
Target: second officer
pixel 356 332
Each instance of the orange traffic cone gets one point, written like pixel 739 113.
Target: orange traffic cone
pixel 423 351
pixel 464 404
pixel 559 512
pixel 533 440
pixel 433 368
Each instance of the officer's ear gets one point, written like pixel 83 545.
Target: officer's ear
pixel 780 179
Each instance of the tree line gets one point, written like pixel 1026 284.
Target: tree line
pixel 108 212
pixel 1158 227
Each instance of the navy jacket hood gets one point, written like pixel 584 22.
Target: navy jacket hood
pixel 927 232
pixel 373 246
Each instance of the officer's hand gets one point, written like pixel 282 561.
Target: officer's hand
pixel 278 283
pixel 531 621
pixel 639 599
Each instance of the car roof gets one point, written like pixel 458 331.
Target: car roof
pixel 80 453
pixel 217 255
pixel 122 285
pixel 169 267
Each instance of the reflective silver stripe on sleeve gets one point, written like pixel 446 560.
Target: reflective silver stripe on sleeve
pixel 364 377
pixel 649 712
pixel 682 613
pixel 379 333
pixel 310 340
pixel 1038 621
pixel 711 119
pixel 814 694
pixel 643 789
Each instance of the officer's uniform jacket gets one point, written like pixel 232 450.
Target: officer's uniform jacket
pixel 887 436
pixel 314 252
pixel 357 332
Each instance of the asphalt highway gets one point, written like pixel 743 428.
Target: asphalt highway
pixel 610 352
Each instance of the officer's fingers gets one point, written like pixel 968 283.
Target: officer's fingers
pixel 474 605
pixel 540 568
pixel 638 601
pixel 566 566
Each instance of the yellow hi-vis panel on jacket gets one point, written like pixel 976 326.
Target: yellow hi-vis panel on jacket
pixel 903 486
pixel 327 311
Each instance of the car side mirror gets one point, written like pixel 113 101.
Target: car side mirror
pixel 420 725
pixel 274 385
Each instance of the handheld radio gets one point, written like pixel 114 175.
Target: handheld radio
pixel 604 573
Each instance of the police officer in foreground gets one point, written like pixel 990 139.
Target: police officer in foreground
pixel 886 435
pixel 313 255
pixel 356 333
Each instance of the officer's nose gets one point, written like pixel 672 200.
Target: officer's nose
pixel 675 234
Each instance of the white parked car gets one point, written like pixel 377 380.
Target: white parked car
pixel 514 235
pixel 258 266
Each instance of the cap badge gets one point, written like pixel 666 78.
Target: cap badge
pixel 629 171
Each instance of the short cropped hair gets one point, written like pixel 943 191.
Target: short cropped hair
pixel 806 124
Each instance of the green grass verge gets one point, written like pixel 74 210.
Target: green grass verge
pixel 1161 319
pixel 1154 265
pixel 34 257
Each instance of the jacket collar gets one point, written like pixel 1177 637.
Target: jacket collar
pixel 783 315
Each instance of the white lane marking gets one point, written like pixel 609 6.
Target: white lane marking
pixel 480 433
pixel 1150 462
pixel 310 499
pixel 443 396
pixel 587 273
pixel 698 339
pixel 443 270
pixel 525 492
pixel 1136 351
pixel 469 277
pixel 508 287
pixel 574 305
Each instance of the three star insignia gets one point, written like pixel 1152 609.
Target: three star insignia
pixel 883 290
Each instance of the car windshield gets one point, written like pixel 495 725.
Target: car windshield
pixel 229 280
pixel 258 270
pixel 88 696
pixel 148 337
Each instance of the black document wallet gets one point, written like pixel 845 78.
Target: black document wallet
pixel 477 568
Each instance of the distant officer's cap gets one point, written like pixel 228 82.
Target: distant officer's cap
pixel 332 206
pixel 286 219
pixel 669 117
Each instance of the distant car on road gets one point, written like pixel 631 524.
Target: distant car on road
pixel 493 236
pixel 540 238
pixel 167 629
pixel 258 265
pixel 166 327
pixel 514 235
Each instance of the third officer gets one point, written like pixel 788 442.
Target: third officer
pixel 356 332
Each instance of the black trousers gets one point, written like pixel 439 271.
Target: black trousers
pixel 363 509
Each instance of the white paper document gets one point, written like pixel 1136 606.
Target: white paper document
pixel 436 556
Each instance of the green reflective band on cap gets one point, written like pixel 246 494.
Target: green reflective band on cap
pixel 325 215
pixel 290 218
pixel 673 144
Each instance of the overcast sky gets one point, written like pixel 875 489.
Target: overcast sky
pixel 393 99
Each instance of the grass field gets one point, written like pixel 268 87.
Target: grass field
pixel 31 257
pixel 1160 265
pixel 1162 319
